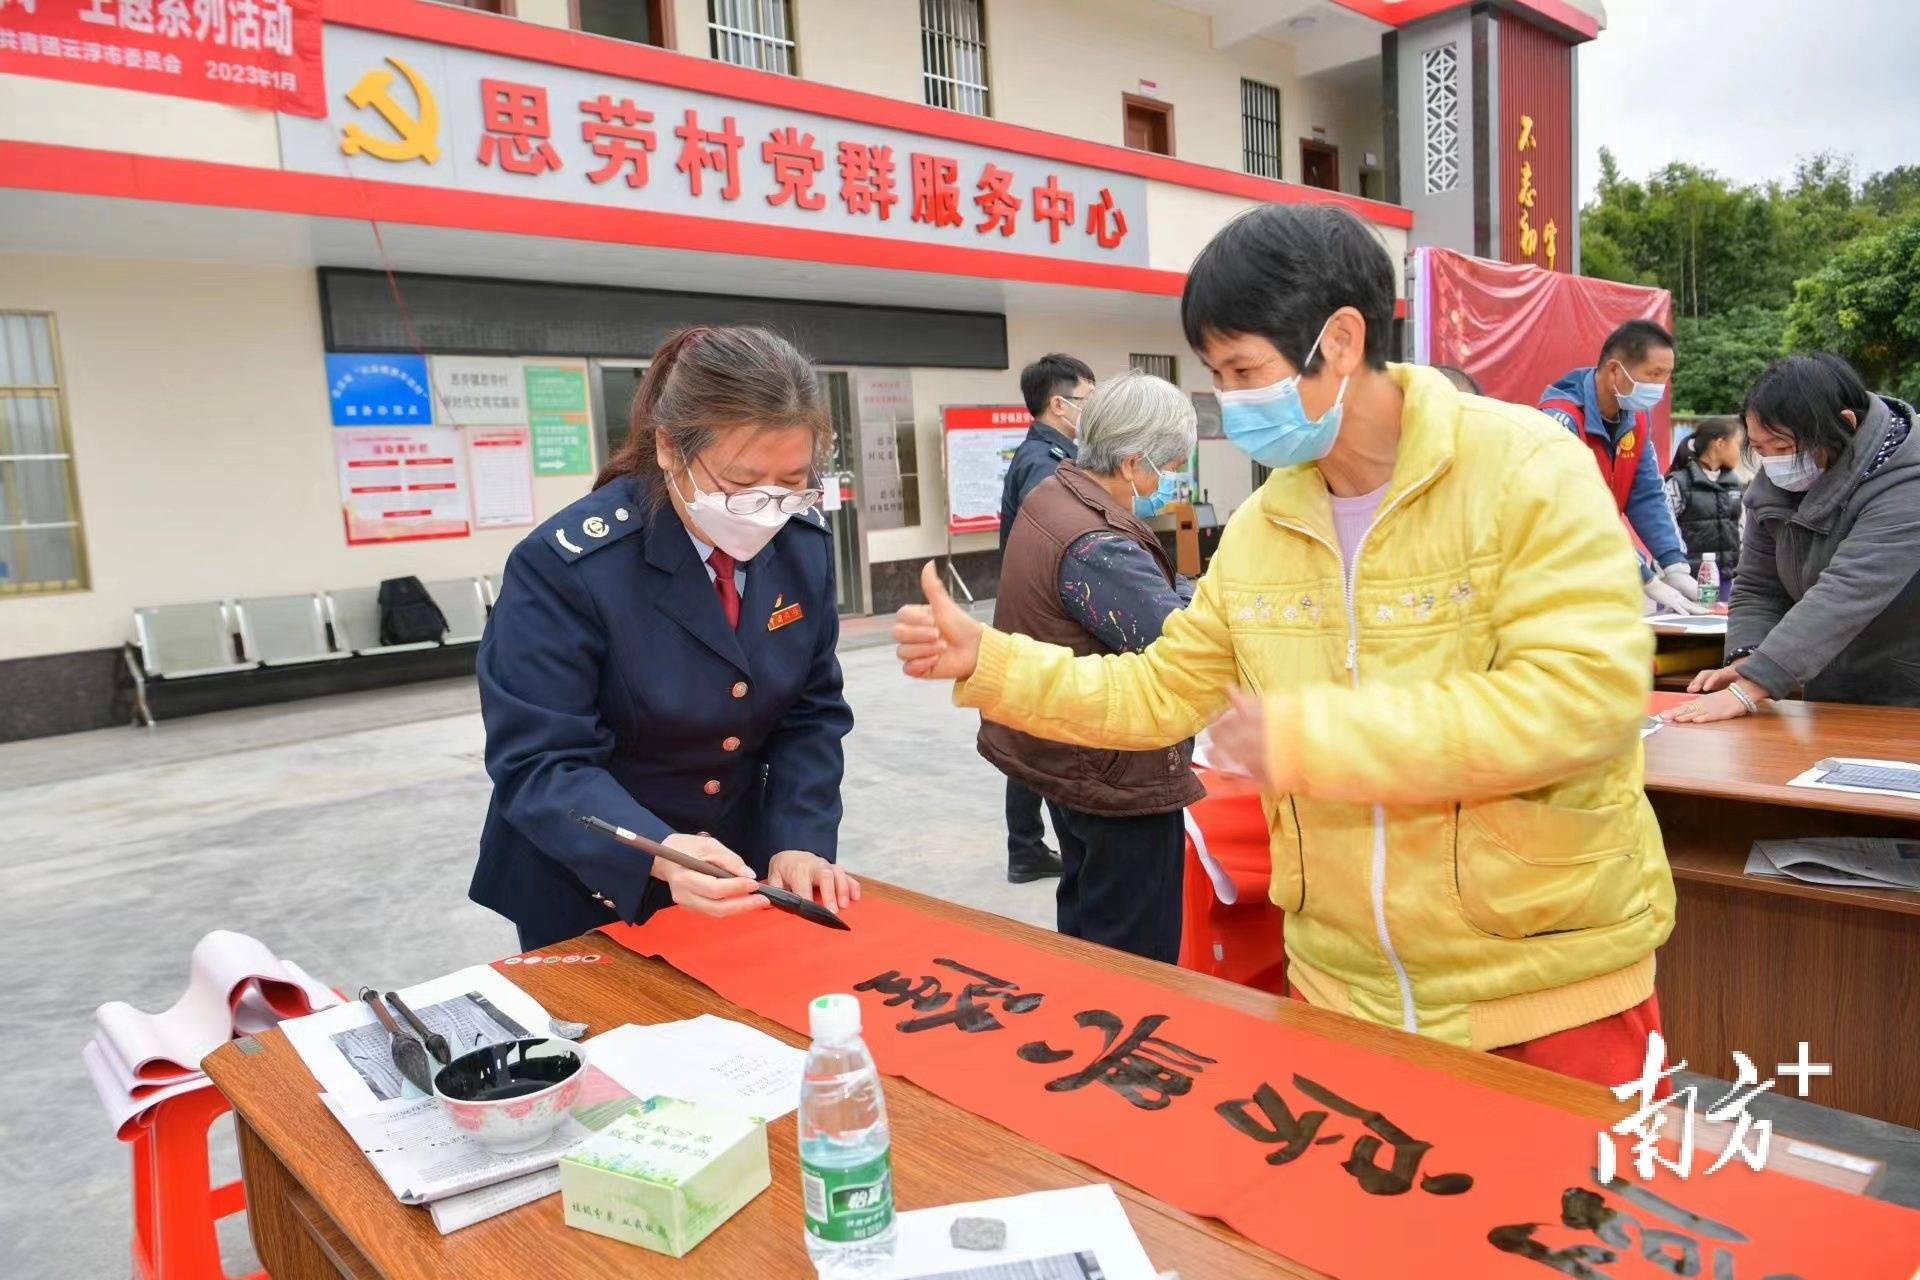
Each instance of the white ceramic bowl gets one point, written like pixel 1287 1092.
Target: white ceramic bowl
pixel 509 1097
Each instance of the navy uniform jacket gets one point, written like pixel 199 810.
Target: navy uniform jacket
pixel 1037 457
pixel 611 684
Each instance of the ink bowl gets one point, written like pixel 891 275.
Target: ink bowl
pixel 510 1097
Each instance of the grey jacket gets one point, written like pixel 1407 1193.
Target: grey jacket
pixel 1828 593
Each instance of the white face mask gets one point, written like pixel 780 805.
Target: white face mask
pixel 740 536
pixel 1794 472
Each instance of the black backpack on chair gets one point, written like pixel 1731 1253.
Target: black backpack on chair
pixel 408 614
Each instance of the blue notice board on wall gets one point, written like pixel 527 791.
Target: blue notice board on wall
pixel 379 390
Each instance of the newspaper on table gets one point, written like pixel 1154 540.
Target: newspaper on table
pixel 426 1160
pixel 1847 862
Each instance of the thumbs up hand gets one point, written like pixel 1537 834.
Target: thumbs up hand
pixel 937 640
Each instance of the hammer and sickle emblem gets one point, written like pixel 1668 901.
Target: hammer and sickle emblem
pixel 417 135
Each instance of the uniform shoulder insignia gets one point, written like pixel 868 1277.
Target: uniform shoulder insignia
pixel 813 518
pixel 1057 452
pixel 595 521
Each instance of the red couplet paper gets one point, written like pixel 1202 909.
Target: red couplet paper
pixel 1351 1162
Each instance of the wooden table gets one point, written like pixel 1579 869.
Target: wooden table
pixel 1760 964
pixel 317 1210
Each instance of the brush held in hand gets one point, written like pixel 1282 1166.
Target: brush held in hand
pixel 805 908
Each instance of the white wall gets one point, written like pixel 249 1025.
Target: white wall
pixel 204 456
pixel 1030 335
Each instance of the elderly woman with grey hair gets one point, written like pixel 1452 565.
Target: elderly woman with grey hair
pixel 1082 569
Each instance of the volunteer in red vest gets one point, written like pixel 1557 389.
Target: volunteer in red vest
pixel 1610 407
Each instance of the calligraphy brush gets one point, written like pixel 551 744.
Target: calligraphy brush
pixel 436 1043
pixel 409 1055
pixel 805 908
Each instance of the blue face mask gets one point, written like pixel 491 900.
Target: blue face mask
pixel 1643 396
pixel 1271 425
pixel 1146 506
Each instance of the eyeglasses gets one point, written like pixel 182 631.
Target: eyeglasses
pixel 747 502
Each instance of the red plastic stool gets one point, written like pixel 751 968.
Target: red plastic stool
pixel 175 1206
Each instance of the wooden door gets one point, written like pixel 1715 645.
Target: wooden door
pixel 1319 165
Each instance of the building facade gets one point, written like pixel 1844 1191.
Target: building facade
pixel 220 246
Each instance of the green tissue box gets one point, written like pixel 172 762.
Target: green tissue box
pixel 665 1174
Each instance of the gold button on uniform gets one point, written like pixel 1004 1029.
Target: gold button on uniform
pixel 740 688
pixel 731 744
pixel 713 786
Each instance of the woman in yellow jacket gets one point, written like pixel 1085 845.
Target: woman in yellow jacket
pixel 1425 629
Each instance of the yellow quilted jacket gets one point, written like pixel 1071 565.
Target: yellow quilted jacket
pixel 1459 834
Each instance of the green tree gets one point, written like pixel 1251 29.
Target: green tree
pixel 1865 305
pixel 1895 193
pixel 1721 355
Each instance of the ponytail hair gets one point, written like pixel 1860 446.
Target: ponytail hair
pixel 1705 435
pixel 709 379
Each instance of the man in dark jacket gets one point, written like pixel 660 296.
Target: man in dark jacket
pixel 1827 603
pixel 1083 570
pixel 1055 387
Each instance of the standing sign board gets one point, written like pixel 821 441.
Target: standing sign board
pixel 883 400
pixel 980 440
pixel 561 422
pixel 247 53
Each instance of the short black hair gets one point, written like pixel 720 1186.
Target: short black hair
pixel 1053 374
pixel 1632 340
pixel 1280 271
pixel 1460 378
pixel 1803 396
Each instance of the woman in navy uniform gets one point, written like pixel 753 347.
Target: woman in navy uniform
pixel 662 656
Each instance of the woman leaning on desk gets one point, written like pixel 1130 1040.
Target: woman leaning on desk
pixel 662 656
pixel 1827 602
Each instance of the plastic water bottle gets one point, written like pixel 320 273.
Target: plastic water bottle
pixel 846 1162
pixel 1709 579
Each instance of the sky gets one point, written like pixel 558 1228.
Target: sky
pixel 1746 87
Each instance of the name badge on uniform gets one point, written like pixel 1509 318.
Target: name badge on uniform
pixel 782 616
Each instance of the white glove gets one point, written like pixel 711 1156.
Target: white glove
pixel 1681 580
pixel 1671 600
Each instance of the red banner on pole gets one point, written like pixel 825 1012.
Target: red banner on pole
pixel 1517 328
pixel 979 444
pixel 249 53
pixel 1351 1162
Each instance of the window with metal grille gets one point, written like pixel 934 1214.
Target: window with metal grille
pixel 753 33
pixel 953 54
pixel 40 542
pixel 1260 128
pixel 1440 117
pixel 1158 366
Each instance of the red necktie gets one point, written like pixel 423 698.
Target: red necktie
pixel 722 565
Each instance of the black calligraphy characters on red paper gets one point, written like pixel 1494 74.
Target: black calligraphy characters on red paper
pixel 1677 1252
pixel 969 1012
pixel 1145 1069
pixel 1292 1134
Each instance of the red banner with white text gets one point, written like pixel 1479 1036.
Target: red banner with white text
pixel 1518 329
pixel 1351 1162
pixel 248 53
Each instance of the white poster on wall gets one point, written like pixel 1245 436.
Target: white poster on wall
pixel 479 391
pixel 500 463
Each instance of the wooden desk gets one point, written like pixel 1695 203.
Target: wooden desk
pixel 318 1211
pixel 1759 964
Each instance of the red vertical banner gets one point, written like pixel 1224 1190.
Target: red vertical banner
pixel 248 53
pixel 1535 195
